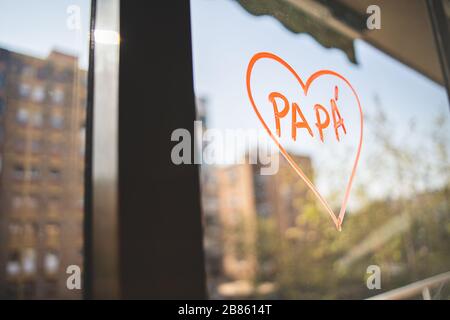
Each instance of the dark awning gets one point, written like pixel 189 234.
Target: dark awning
pixel 406 33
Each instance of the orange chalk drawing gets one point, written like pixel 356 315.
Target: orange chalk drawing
pixel 339 122
pixel 322 121
pixel 321 124
pixel 296 125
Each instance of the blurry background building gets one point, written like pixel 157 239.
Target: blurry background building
pixel 283 195
pixel 237 216
pixel 234 199
pixel 42 121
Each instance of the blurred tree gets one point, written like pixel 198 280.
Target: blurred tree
pixel 407 233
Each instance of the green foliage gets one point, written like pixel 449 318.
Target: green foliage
pixel 408 236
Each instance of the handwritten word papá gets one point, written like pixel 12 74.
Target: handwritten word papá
pixel 299 120
pixel 326 118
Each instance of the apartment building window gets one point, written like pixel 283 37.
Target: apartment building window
pixel 45 72
pixel 64 76
pixel 57 121
pixel 29 261
pixel 57 96
pixel 24 90
pixel 55 174
pixel 22 116
pixel 51 262
pixel 38 94
pixel 13 264
pixel 35 173
pixel 19 172
pixel 19 201
pixel 28 72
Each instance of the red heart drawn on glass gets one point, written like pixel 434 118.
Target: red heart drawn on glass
pixel 305 86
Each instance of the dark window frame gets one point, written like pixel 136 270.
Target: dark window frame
pixel 156 241
pixel 441 36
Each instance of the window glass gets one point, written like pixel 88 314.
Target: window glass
pixel 57 121
pixel 43 88
pixel 29 261
pixel 24 90
pixel 51 263
pixel 381 106
pixel 38 94
pixel 22 115
pixel 13 264
pixel 57 96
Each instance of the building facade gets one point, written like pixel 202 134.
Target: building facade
pixel 235 198
pixel 283 195
pixel 42 126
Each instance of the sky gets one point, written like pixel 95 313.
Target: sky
pixel 37 27
pixel 225 37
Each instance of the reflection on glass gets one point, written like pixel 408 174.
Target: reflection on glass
pixel 43 63
pixel 266 236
